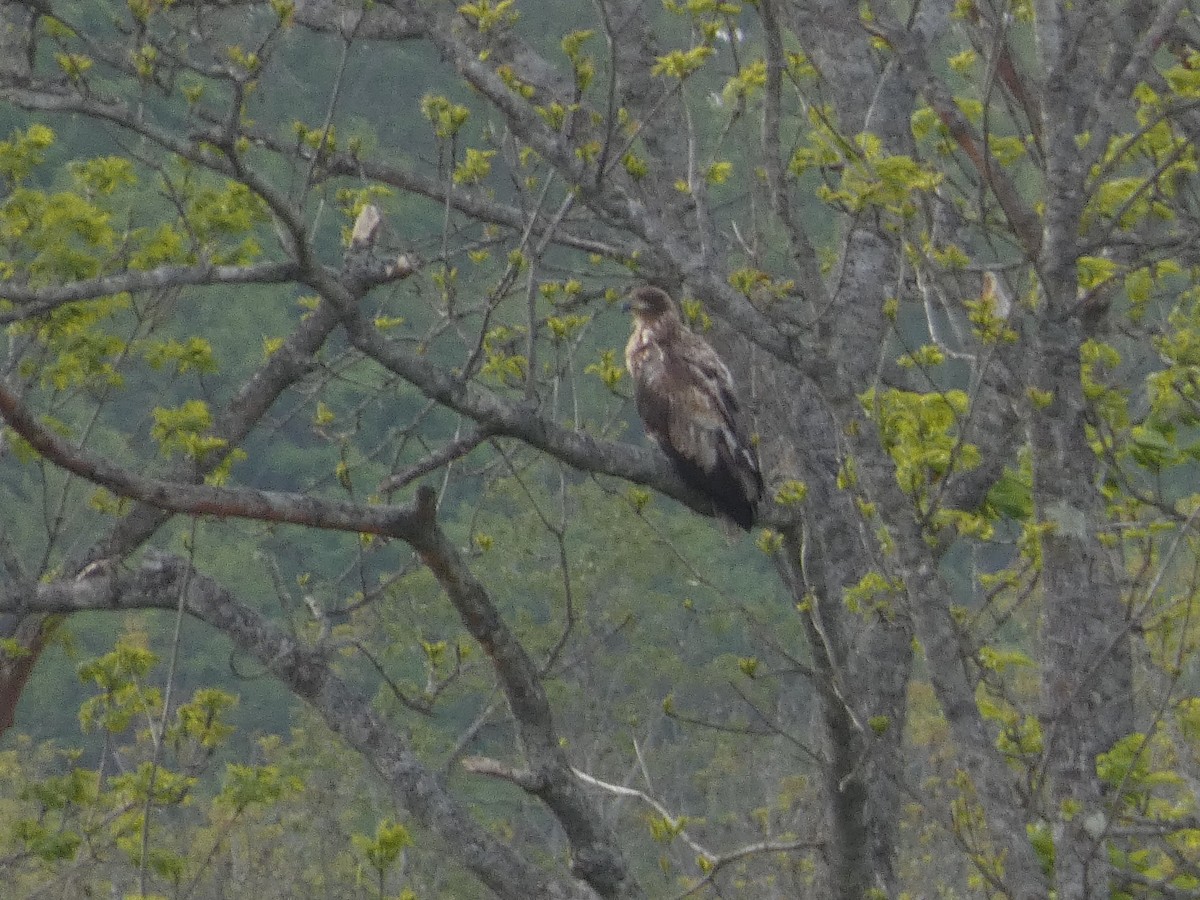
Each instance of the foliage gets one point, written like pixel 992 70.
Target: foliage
pixel 266 268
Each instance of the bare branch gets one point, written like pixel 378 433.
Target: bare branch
pixel 454 450
pixel 673 821
pixel 758 849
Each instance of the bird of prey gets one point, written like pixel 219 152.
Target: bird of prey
pixel 689 407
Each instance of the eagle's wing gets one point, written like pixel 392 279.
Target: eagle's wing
pixel 711 416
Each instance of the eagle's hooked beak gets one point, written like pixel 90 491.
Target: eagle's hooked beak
pixel 627 306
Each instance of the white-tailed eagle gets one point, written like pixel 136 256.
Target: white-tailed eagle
pixel 688 405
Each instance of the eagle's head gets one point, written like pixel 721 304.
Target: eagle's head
pixel 651 304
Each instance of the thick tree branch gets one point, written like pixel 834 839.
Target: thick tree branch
pixel 245 409
pixel 369 22
pixel 196 499
pixel 158 584
pixel 503 417
pixel 594 850
pixel 595 854
pixel 596 858
pixel 37 301
pixel 16 41
pixel 804 255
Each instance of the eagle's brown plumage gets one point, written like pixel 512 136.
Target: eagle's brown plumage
pixel 688 405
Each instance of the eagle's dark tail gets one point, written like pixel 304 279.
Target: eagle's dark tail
pixel 731 501
pixel 733 493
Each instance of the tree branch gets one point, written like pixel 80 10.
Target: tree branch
pixel 506 418
pixel 37 301
pixel 595 853
pixel 160 582
pixel 195 499
pixel 594 850
pixel 908 46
